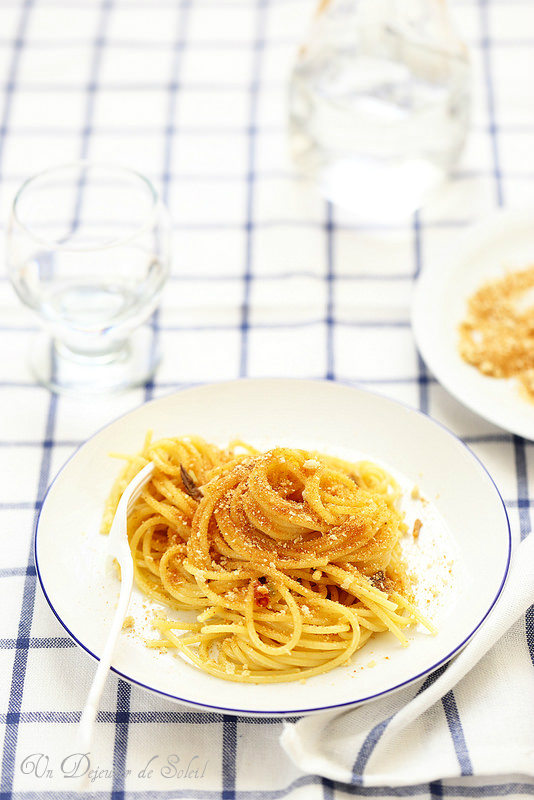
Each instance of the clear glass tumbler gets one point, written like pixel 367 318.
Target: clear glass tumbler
pixel 88 249
pixel 379 103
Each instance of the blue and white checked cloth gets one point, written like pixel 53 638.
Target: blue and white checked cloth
pixel 267 280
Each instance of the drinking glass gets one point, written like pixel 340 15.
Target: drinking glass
pixel 379 102
pixel 88 249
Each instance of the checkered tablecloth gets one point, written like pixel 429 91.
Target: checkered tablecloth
pixel 267 280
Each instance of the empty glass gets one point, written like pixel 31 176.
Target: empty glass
pixel 379 103
pixel 88 249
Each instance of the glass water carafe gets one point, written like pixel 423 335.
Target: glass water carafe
pixel 379 103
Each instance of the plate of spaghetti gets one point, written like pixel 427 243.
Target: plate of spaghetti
pixel 300 546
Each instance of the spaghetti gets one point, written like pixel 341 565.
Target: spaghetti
pixel 289 559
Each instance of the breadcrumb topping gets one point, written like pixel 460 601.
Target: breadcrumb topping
pixel 497 335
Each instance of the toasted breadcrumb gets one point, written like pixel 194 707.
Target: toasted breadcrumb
pixel 497 335
pixel 416 528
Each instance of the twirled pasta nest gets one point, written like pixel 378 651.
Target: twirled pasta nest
pixel 290 559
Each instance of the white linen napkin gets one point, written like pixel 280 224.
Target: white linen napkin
pixel 428 732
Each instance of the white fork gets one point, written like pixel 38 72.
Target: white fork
pixel 118 548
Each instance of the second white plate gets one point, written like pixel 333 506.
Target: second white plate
pixel 504 241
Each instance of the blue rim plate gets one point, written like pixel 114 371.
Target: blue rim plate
pixel 461 557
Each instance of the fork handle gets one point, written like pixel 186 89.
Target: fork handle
pixel 118 536
pixel 87 720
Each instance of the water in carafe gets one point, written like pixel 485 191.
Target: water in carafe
pixel 379 103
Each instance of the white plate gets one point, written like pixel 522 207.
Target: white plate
pixel 505 240
pixel 462 553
